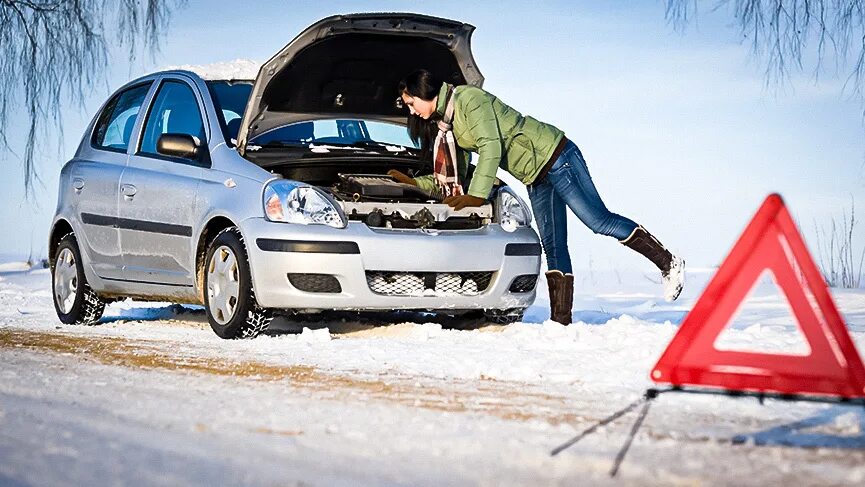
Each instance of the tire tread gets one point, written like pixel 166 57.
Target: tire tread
pixel 257 318
pixel 92 305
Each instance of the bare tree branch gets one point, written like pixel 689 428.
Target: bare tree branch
pixel 790 34
pixel 836 251
pixel 53 52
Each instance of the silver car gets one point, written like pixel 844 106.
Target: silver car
pixel 264 196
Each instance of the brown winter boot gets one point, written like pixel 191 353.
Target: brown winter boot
pixel 672 267
pixel 561 296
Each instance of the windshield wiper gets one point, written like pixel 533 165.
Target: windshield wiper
pixel 284 143
pixel 277 144
pixel 367 143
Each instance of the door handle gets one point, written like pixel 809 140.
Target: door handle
pixel 128 190
pixel 78 184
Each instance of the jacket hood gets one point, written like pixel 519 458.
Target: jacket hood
pixel 350 66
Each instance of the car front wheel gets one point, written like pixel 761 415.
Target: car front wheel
pixel 229 298
pixel 75 302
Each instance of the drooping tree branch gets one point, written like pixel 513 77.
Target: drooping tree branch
pixel 794 34
pixel 53 52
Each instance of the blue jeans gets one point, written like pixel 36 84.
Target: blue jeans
pixel 568 184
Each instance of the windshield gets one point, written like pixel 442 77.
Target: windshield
pixel 230 98
pixel 339 132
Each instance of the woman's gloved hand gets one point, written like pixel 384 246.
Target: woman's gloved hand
pixel 402 178
pixel 463 201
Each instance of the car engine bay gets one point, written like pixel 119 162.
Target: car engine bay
pixel 382 202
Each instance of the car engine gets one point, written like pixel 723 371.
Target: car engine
pixel 378 187
pixel 382 202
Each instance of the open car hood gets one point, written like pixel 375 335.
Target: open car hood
pixel 349 66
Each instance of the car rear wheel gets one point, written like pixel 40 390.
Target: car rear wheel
pixel 75 302
pixel 228 297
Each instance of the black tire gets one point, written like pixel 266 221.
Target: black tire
pixel 86 307
pixel 248 318
pixel 504 316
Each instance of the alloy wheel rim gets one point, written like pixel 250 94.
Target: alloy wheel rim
pixel 65 281
pixel 223 284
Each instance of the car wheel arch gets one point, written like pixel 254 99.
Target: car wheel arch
pixel 215 225
pixel 60 229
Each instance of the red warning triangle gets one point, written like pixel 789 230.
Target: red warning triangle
pixel 771 241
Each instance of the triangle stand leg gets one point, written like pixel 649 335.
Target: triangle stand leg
pixel 591 429
pixel 645 400
pixel 620 457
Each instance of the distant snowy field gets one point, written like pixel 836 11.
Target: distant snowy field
pixel 152 396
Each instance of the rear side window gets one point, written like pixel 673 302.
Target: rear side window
pixel 114 126
pixel 174 111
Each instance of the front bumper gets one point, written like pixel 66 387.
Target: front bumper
pixel 279 249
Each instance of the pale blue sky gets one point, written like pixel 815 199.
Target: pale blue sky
pixel 679 132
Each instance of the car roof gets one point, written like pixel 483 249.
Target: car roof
pixel 238 70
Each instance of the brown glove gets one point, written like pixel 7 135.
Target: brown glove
pixel 463 201
pixel 402 178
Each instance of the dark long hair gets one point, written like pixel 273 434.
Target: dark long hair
pixel 424 85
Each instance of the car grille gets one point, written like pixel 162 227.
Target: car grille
pixel 315 283
pixel 428 283
pixel 524 283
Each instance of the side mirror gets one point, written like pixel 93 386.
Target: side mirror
pixel 179 145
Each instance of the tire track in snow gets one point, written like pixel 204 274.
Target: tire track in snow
pixel 508 401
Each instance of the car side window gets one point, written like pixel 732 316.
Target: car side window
pixel 115 123
pixel 174 111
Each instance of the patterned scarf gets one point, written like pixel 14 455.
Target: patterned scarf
pixel 445 158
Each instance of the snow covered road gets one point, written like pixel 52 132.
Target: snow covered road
pixel 153 397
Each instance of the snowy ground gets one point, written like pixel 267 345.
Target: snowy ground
pixel 153 397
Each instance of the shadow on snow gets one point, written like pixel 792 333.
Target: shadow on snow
pixel 817 431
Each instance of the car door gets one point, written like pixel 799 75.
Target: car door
pixel 158 192
pixel 95 178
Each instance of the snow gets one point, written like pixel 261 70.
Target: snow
pixel 152 396
pixel 324 148
pixel 238 69
pixel 14 266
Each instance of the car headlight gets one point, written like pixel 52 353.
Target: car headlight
pixel 292 202
pixel 511 211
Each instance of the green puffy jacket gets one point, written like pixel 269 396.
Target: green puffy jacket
pixel 500 135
